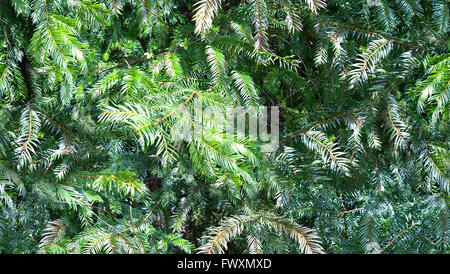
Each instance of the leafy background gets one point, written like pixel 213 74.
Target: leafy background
pixel 89 161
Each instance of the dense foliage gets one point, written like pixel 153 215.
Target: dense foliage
pixel 89 157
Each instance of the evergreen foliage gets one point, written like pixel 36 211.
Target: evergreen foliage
pixel 90 154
